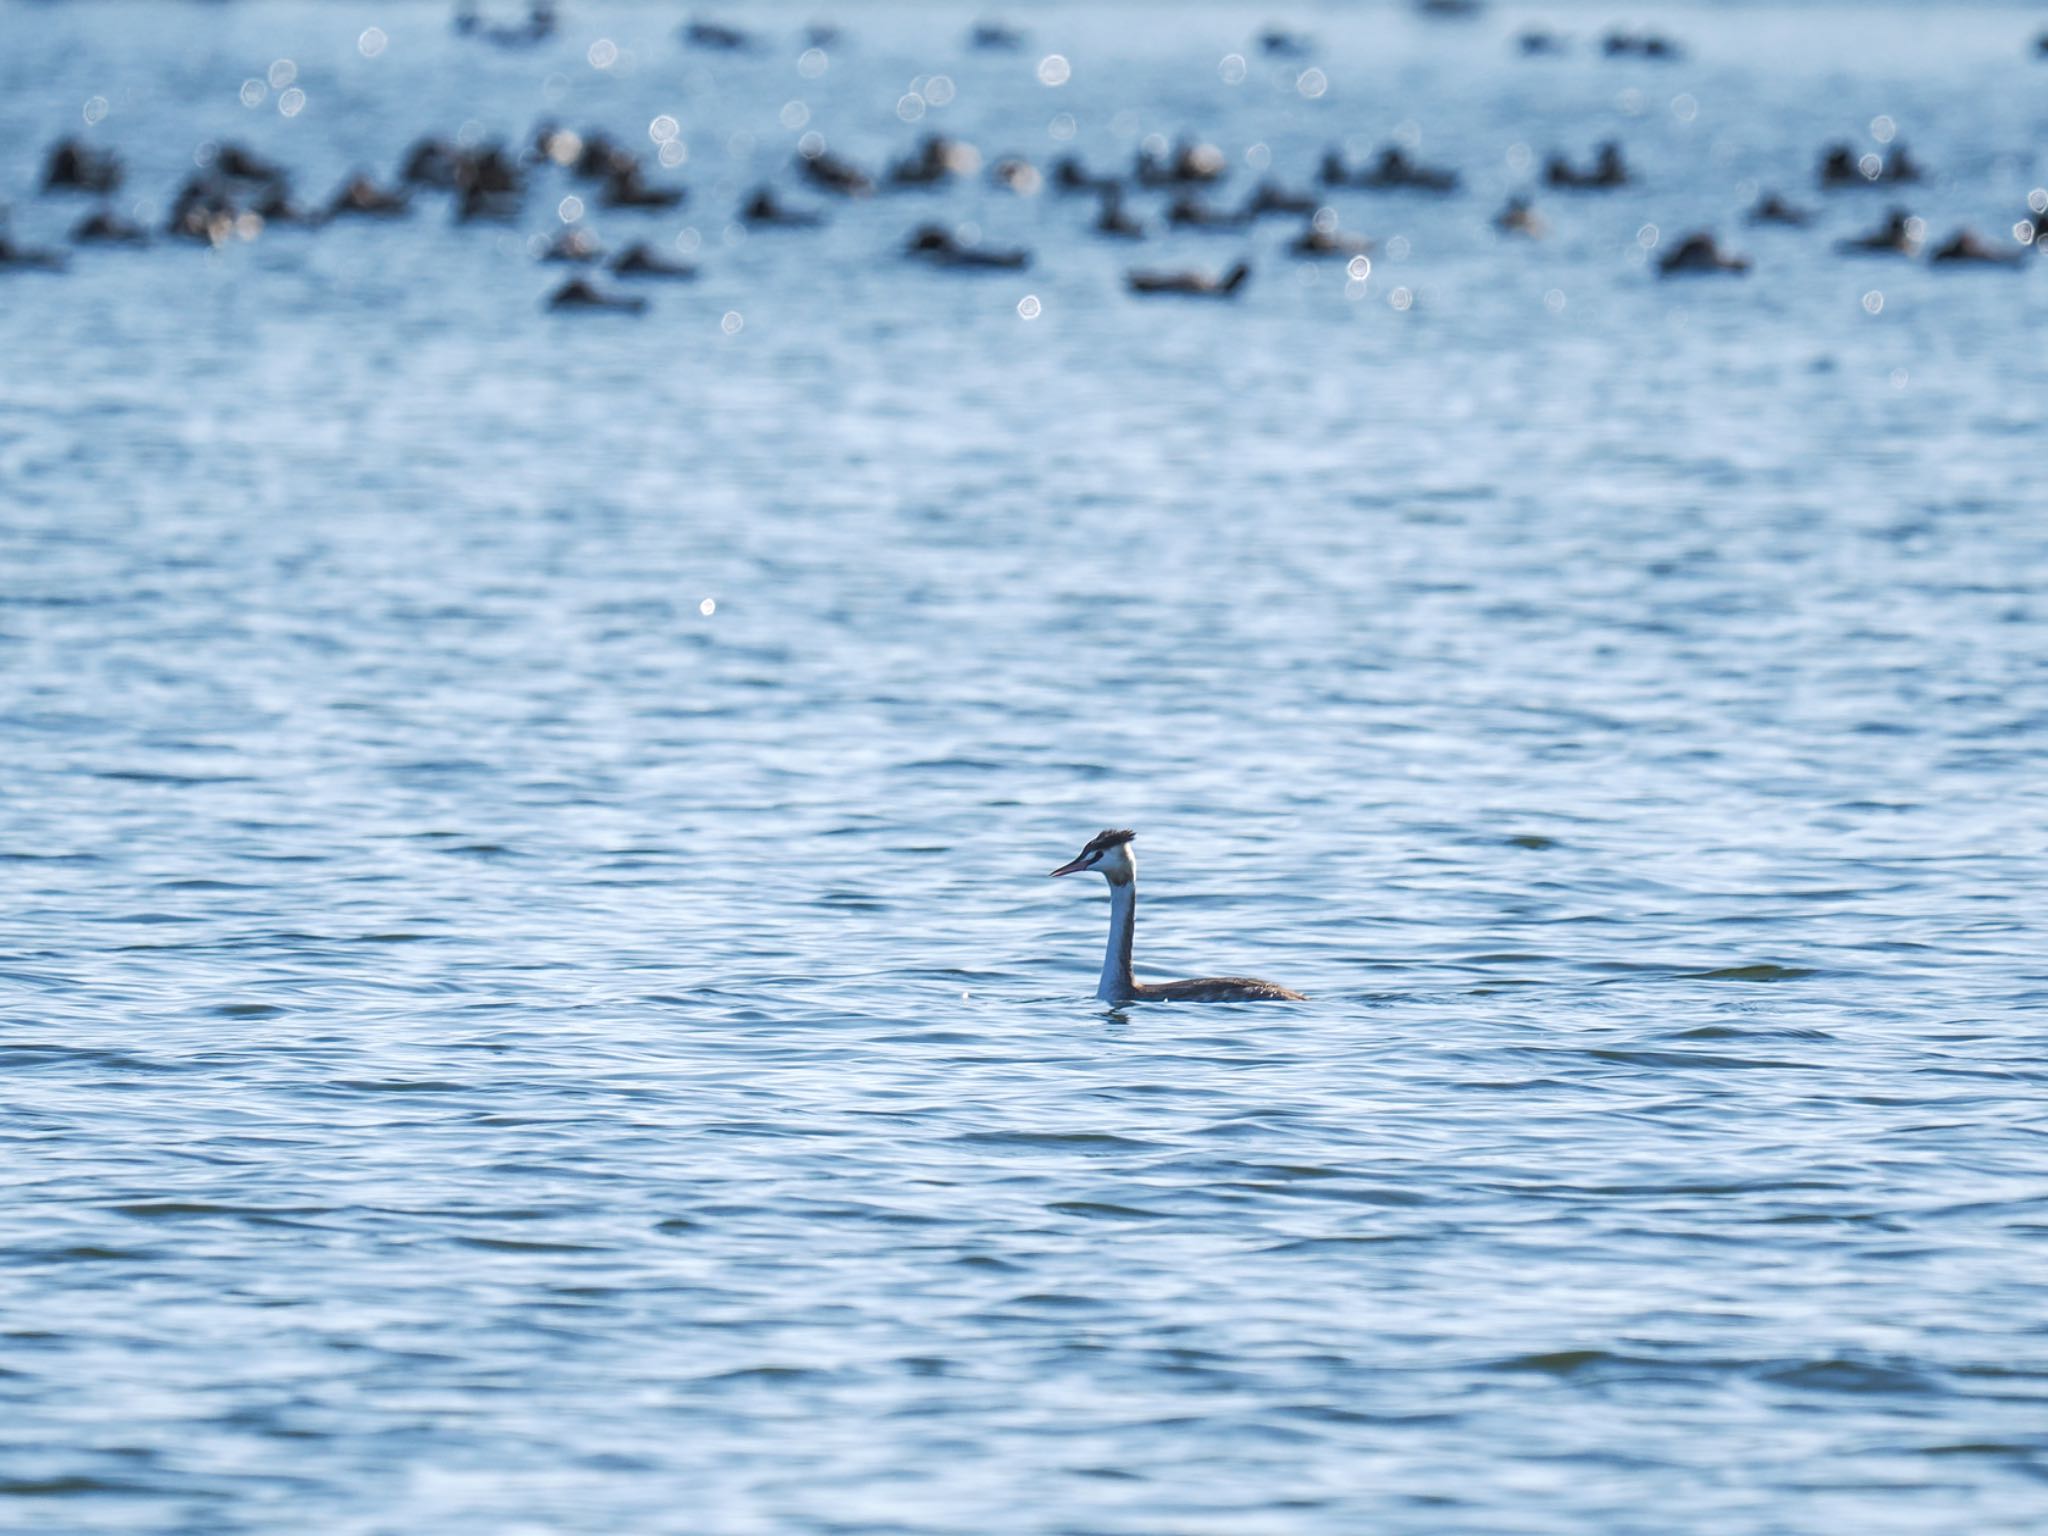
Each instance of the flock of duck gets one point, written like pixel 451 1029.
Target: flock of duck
pixel 234 193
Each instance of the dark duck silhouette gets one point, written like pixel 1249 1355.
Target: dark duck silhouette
pixel 642 260
pixel 1520 218
pixel 579 293
pixel 1773 209
pixel 1697 253
pixel 1898 235
pixel 75 166
pixel 1109 855
pixel 16 257
pixel 1270 197
pixel 937 246
pixel 830 173
pixel 762 209
pixel 1609 171
pixel 363 198
pixel 1967 248
pixel 1114 220
pixel 103 226
pixel 1190 163
pixel 1189 212
pixel 1394 171
pixel 1200 285
pixel 937 159
pixel 627 187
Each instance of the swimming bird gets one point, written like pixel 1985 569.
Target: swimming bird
pixel 1200 285
pixel 1109 855
pixel 1699 253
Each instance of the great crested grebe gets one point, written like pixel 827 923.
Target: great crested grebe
pixel 1109 855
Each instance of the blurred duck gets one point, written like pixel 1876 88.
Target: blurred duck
pixel 995 37
pixel 717 35
pixel 1841 166
pixel 1519 218
pixel 238 163
pixel 1279 43
pixel 1697 253
pixel 1193 284
pixel 1773 209
pixel 75 166
pixel 1322 238
pixel 599 157
pixel 1609 170
pixel 106 227
pixel 937 246
pixel 362 197
pixel 642 260
pixel 627 188
pixel 1898 235
pixel 203 212
pixel 431 162
pixel 1538 43
pixel 1394 171
pixel 830 173
pixel 1019 175
pixel 1270 197
pixel 1967 248
pixel 1070 175
pixel 572 243
pixel 580 293
pixel 1639 45
pixel 937 159
pixel 1113 220
pixel 1189 163
pixel 538 27
pixel 1189 212
pixel 762 209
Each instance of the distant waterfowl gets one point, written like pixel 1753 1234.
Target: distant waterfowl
pixel 762 209
pixel 717 35
pixel 1070 175
pixel 1113 220
pixel 1109 854
pixel 75 166
pixel 1519 218
pixel 106 227
pixel 431 162
pixel 362 197
pixel 642 260
pixel 598 156
pixel 1189 212
pixel 1189 163
pixel 580 293
pixel 1967 248
pixel 995 37
pixel 937 159
pixel 238 163
pixel 1698 253
pixel 832 174
pixel 1841 166
pixel 1019 175
pixel 573 244
pixel 1641 45
pixel 1773 209
pixel 1393 171
pixel 1205 285
pixel 1279 43
pixel 1536 43
pixel 1322 238
pixel 1609 170
pixel 1270 197
pixel 203 212
pixel 627 188
pixel 939 247
pixel 1898 235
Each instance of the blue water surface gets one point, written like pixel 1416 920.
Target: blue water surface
pixel 529 997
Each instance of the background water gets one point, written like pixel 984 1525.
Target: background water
pixel 491 1047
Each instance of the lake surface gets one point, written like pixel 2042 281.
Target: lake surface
pixel 529 996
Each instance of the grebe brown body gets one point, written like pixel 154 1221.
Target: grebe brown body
pixel 1109 855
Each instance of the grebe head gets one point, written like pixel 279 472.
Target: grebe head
pixel 1109 855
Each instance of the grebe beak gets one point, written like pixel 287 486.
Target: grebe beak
pixel 1080 862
